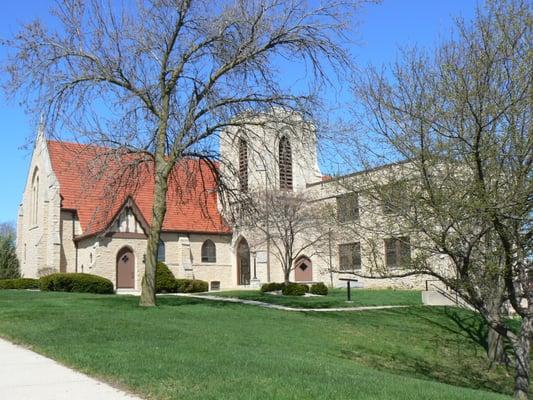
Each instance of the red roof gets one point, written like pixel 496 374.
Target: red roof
pixel 96 183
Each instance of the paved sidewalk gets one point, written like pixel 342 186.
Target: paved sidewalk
pixel 25 375
pixel 277 306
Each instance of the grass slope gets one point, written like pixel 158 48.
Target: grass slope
pixel 196 349
pixel 335 298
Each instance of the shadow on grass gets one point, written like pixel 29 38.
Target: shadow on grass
pixel 443 344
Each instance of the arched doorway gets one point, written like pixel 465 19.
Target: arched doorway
pixel 125 269
pixel 303 270
pixel 243 263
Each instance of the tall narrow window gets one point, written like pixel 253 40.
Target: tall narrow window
pixel 285 164
pixel 34 212
pixel 348 207
pixel 243 164
pixel 349 256
pixel 397 252
pixel 209 252
pixel 161 251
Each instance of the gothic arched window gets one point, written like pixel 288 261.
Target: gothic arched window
pixel 285 164
pixel 209 252
pixel 34 212
pixel 243 164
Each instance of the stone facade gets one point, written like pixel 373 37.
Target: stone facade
pixel 39 217
pixel 50 238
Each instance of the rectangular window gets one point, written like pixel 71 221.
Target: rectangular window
pixel 397 252
pixel 348 207
pixel 350 256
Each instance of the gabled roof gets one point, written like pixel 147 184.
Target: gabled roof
pixel 97 194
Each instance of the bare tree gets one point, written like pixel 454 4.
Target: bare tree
pixel 9 265
pixel 161 78
pixel 291 222
pixel 463 120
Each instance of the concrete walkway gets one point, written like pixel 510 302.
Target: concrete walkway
pixel 25 375
pixel 279 307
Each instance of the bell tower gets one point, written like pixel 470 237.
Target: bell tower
pixel 275 152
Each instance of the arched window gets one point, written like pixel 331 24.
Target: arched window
pixel 161 251
pixel 285 164
pixel 34 212
pixel 209 252
pixel 243 164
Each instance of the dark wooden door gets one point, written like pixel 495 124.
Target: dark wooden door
pixel 126 270
pixel 304 270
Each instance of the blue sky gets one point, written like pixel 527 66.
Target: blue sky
pixel 382 29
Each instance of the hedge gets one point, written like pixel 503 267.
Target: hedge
pixel 319 288
pixel 76 282
pixel 272 287
pixel 19 283
pixel 191 286
pixel 295 289
pixel 165 281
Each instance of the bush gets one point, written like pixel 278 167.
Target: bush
pixel 9 265
pixel 75 282
pixel 165 281
pixel 191 286
pixel 272 287
pixel 295 289
pixel 20 283
pixel 319 288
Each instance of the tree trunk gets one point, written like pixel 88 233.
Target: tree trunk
pixel 522 349
pixel 496 353
pixel 158 214
pixel 495 349
pixel 286 275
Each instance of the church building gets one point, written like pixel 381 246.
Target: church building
pixel 69 221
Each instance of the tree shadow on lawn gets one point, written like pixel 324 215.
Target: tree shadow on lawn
pixel 428 347
pixel 176 301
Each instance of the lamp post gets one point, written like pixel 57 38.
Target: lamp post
pixel 254 282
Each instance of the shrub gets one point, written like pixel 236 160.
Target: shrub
pixel 75 282
pixel 319 288
pixel 295 289
pixel 20 283
pixel 9 265
pixel 165 281
pixel 272 287
pixel 191 286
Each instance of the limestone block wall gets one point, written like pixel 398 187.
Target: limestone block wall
pixel 98 256
pixel 370 230
pixel 39 221
pixel 68 224
pixel 223 269
pixel 263 152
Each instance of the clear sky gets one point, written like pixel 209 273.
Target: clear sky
pixel 383 28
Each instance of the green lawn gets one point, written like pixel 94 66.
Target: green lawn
pixel 335 298
pixel 196 349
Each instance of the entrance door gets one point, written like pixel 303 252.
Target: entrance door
pixel 243 263
pixel 125 269
pixel 304 270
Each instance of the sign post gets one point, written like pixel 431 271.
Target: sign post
pixel 348 287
